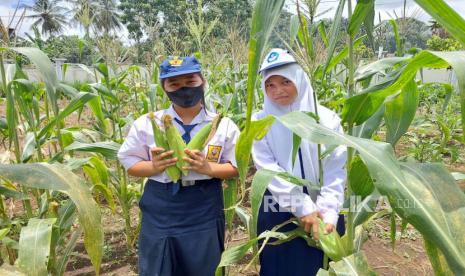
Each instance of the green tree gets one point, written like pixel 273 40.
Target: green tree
pixel 414 33
pixel 137 16
pixel 72 48
pixel 229 12
pixel 170 15
pixel 106 16
pixel 436 43
pixel 281 31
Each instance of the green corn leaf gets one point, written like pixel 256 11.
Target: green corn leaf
pixel 244 143
pixel 334 33
pixel 425 195
pixel 400 111
pixel 363 9
pixel 34 246
pixel 359 178
pixel 107 149
pixel 45 68
pixel 437 259
pixel 362 106
pixel 264 17
pixel 75 104
pixel 353 265
pixel 259 184
pixel 399 45
pixel 322 31
pixel 230 198
pixel 377 67
pixel 57 177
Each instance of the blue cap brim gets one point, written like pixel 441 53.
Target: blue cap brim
pixel 276 65
pixel 174 74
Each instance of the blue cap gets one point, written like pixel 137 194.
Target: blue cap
pixel 175 66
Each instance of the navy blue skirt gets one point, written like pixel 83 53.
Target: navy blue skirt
pixel 182 233
pixel 292 258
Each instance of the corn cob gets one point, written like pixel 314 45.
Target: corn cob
pixel 197 143
pixel 175 141
pixel 160 140
pixel 331 243
pixel 204 135
pixel 215 124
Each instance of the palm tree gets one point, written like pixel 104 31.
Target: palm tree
pixel 106 16
pixel 49 15
pixel 83 14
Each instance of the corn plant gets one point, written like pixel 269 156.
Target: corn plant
pixel 48 232
pixel 60 195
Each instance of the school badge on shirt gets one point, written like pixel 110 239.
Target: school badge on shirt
pixel 213 153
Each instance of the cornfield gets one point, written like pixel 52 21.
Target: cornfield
pixel 60 140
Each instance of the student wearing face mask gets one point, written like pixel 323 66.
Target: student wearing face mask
pixel 182 230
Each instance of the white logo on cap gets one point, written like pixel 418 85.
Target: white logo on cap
pixel 273 57
pixel 276 57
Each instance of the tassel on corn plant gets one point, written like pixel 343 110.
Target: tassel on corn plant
pixel 160 140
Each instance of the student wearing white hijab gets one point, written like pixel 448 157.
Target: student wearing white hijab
pixel 287 88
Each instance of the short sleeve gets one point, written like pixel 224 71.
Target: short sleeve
pixel 134 149
pixel 229 154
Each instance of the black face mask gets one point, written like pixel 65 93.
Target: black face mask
pixel 186 96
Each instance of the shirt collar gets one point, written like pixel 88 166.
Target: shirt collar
pixel 203 116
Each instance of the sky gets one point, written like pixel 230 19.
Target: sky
pixel 386 8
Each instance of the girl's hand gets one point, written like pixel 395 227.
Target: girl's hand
pixel 197 162
pixel 329 227
pixel 159 162
pixel 311 221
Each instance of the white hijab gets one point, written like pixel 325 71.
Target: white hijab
pixel 280 136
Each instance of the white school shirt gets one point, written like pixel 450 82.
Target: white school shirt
pixel 139 141
pixel 331 196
